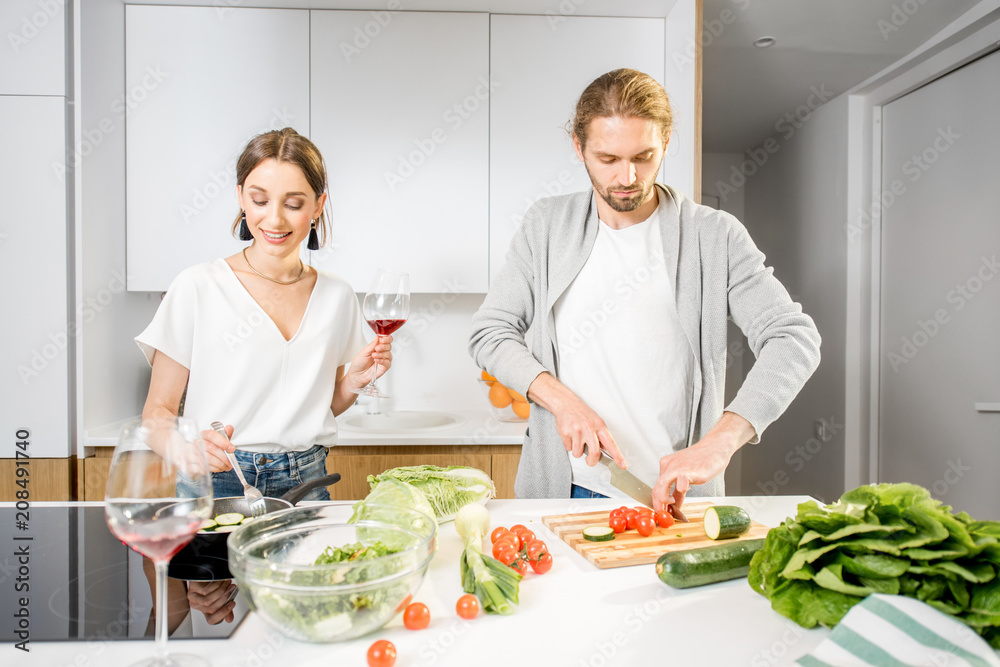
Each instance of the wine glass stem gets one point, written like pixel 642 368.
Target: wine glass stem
pixel 162 612
pixel 375 365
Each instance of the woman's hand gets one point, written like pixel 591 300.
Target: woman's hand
pixel 377 353
pixel 215 599
pixel 216 447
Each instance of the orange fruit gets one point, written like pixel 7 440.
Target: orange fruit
pixel 499 396
pixel 486 376
pixel 521 409
pixel 516 396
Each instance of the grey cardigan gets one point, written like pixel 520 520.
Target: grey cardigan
pixel 717 272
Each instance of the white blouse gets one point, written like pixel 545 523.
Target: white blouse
pixel 242 371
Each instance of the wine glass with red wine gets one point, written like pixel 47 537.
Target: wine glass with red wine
pixel 159 492
pixel 386 307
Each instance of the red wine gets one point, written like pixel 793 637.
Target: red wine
pixel 385 327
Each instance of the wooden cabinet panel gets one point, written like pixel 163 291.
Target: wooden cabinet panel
pixel 505 470
pixel 95 477
pixel 49 479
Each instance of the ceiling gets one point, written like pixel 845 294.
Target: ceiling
pixel 828 46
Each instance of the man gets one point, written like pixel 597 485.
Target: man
pixel 629 287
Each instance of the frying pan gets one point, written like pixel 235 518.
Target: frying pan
pixel 206 558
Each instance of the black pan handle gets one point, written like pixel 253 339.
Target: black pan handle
pixel 297 493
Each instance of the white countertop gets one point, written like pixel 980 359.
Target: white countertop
pixel 476 427
pixel 574 616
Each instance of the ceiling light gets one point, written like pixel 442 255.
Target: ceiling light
pixel 764 42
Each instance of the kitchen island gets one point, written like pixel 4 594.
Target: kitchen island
pixel 576 615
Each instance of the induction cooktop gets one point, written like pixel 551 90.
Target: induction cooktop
pixel 80 583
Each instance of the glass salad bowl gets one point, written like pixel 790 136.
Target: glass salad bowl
pixel 274 562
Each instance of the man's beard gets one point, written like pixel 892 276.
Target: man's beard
pixel 620 204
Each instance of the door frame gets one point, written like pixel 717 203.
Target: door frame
pixel 973 36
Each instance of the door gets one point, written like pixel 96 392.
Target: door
pixel 940 292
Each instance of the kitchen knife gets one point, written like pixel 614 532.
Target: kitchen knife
pixel 634 487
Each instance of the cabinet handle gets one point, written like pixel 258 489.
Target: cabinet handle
pixel 987 407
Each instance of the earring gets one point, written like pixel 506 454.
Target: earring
pixel 313 238
pixel 245 234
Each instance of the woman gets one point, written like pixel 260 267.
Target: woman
pixel 260 340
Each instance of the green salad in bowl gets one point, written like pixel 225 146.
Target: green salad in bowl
pixel 316 577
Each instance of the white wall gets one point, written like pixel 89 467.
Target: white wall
pixel 795 206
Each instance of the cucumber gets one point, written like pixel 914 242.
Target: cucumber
pixel 598 533
pixel 230 519
pixel 228 528
pixel 724 521
pixel 707 565
pixel 207 524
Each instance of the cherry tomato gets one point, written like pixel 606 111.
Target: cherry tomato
pixel 631 517
pixel 520 566
pixel 535 549
pixel 664 519
pixel 644 525
pixel 504 542
pixel 507 554
pixel 417 616
pixel 381 654
pixel 526 537
pixel 618 511
pixel 618 523
pixel 404 603
pixel 642 509
pixel 543 564
pixel 517 528
pixel 467 607
pixel 622 510
pixel 497 532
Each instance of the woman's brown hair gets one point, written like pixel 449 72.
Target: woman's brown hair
pixel 623 93
pixel 285 145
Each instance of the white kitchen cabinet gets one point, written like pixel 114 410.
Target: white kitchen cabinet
pixel 199 83
pixel 33 58
pixel 539 66
pixel 37 334
pixel 400 109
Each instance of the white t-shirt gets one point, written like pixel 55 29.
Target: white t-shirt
pixel 276 393
pixel 623 352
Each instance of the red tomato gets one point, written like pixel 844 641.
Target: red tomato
pixel 467 606
pixel 504 542
pixel 381 654
pixel 519 565
pixel 618 523
pixel 507 554
pixel 417 616
pixel 642 509
pixel 664 519
pixel 404 603
pixel 543 564
pixel 631 516
pixel 618 511
pixel 622 509
pixel 527 537
pixel 517 528
pixel 497 532
pixel 644 525
pixel 535 549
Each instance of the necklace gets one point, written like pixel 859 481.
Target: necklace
pixel 302 270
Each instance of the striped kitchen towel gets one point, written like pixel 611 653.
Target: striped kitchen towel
pixel 897 631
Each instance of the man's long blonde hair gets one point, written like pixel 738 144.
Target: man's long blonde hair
pixel 624 93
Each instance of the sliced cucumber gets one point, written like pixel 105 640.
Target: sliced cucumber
pixel 226 529
pixel 598 533
pixel 207 524
pixel 725 521
pixel 230 519
pixel 708 565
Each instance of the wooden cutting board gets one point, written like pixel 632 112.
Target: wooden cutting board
pixel 631 548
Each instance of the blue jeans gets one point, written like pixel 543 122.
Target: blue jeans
pixel 274 474
pixel 580 492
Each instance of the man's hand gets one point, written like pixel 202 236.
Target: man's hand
pixel 214 599
pixel 576 422
pixel 700 462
